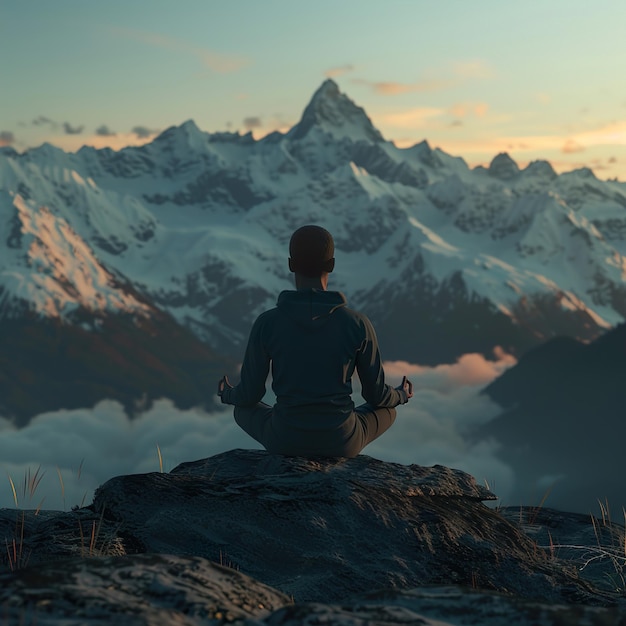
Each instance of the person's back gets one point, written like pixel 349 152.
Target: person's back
pixel 313 343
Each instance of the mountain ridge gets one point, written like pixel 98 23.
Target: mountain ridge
pixel 445 259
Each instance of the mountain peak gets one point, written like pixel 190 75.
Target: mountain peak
pixel 503 167
pixel 336 114
pixel 540 168
pixel 8 151
pixel 584 172
pixel 190 126
pixel 185 136
pixel 328 87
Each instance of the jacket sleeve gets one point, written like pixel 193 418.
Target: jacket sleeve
pixel 254 371
pixel 370 369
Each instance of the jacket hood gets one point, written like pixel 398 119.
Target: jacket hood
pixel 310 308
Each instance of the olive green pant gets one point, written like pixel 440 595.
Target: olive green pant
pixel 364 424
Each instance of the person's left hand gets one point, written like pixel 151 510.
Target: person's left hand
pixel 223 384
pixel 407 386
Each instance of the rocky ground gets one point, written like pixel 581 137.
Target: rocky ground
pixel 254 538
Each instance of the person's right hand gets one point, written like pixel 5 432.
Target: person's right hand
pixel 407 386
pixel 223 384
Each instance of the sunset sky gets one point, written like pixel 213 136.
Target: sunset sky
pixel 539 79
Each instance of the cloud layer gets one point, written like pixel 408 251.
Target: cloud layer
pixel 103 442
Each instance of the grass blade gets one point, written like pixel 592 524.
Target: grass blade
pixel 160 459
pixel 62 486
pixel 13 490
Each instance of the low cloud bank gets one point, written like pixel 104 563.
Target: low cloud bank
pixel 89 446
pixel 103 442
pixel 430 429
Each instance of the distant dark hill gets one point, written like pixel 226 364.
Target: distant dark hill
pixel 46 365
pixel 565 418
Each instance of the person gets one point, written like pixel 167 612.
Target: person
pixel 313 343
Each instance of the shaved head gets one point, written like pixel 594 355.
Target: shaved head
pixel 311 251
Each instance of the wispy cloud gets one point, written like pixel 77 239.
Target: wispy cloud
pixel 481 109
pixel 571 146
pixel 261 127
pixel 391 88
pixel 340 70
pixel 70 143
pixel 599 165
pixel 6 138
pixel 415 118
pixel 445 77
pixel 250 123
pixel 215 61
pixel 465 109
pixel 607 134
pixel 613 134
pixel 104 131
pixel 474 69
pixel 72 130
pixel 459 110
pixel 143 132
pixel 42 120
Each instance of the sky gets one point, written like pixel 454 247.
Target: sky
pixel 539 80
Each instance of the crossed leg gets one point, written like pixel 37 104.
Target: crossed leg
pixel 255 420
pixel 369 424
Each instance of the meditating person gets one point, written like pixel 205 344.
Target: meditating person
pixel 313 343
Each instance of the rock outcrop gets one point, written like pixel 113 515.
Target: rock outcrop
pixel 343 540
pixel 329 528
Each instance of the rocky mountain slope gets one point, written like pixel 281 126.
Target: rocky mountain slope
pixel 343 541
pixel 47 365
pixel 445 259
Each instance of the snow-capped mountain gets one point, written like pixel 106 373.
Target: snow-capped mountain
pixel 445 259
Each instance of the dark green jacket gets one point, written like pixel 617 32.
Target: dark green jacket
pixel 313 343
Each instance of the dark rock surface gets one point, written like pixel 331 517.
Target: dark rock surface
pixel 445 606
pixel 332 528
pixel 138 589
pixel 340 541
